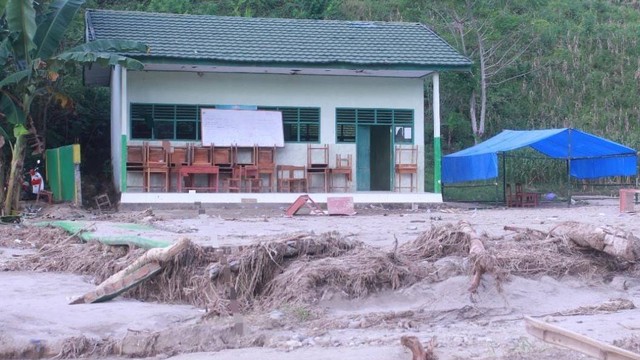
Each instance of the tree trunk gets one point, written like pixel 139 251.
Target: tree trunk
pixel 483 86
pixel 472 115
pixel 613 241
pixel 17 163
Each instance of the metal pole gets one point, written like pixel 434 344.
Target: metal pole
pixel 569 170
pixel 504 178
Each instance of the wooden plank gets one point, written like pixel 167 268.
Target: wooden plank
pixel 574 341
pixel 111 290
pixel 137 272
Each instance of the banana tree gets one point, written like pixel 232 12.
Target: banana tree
pixel 31 55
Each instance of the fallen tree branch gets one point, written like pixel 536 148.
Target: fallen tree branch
pixel 140 270
pixel 528 231
pixel 477 252
pixel 481 260
pixel 418 351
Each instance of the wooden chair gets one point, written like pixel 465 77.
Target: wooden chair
pixel 200 162
pixel 406 165
pixel 318 164
pixel 179 157
pixel 223 158
pixel 45 194
pixel 344 167
pixel 200 156
pixel 157 162
pixel 526 199
pixel 512 199
pixel 135 163
pixel 251 180
pixel 234 182
pixel 266 162
pixel 292 178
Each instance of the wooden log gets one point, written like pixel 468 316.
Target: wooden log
pixel 616 242
pixel 418 351
pixel 140 270
pixel 574 341
pixel 478 255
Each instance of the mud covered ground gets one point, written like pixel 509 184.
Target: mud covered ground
pixel 36 317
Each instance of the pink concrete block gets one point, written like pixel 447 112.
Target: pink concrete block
pixel 340 205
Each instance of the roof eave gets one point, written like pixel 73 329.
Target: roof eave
pixel 312 65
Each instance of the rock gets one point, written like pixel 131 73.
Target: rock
pixel 147 219
pixel 322 340
pixel 290 251
pixel 276 315
pixel 214 271
pixel 234 265
pixel 259 341
pixel 298 337
pixel 293 344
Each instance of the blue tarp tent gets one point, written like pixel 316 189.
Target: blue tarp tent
pixel 589 156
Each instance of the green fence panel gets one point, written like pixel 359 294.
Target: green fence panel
pixel 62 172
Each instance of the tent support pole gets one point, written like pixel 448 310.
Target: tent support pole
pixel 569 169
pixel 569 183
pixel 504 178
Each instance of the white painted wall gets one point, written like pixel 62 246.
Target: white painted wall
pixel 326 92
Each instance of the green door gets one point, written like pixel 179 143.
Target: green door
pixel 363 158
pixel 380 156
pixel 373 158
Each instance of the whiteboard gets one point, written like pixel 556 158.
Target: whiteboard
pixel 242 128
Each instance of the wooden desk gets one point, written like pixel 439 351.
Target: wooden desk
pixel 190 170
pixel 288 181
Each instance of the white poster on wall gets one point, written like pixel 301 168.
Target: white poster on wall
pixel 242 128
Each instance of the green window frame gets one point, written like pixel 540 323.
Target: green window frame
pixel 165 121
pixel 400 120
pixel 300 124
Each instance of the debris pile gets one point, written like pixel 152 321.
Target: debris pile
pixel 303 268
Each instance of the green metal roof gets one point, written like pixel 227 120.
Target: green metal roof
pixel 277 42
